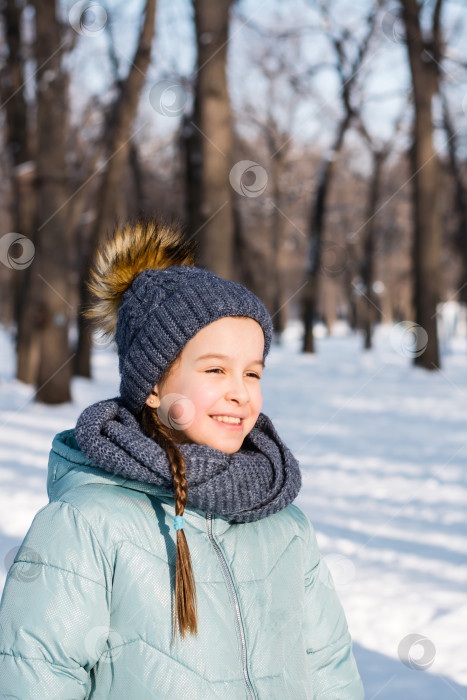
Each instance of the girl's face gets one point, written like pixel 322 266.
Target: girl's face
pixel 212 393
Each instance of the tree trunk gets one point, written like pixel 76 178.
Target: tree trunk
pixel 46 310
pixel 23 176
pixel 137 176
pixel 14 102
pixel 425 175
pixel 191 148
pixel 316 231
pixel 119 137
pixel 369 248
pixel 214 225
pixel 460 194
pixel 278 298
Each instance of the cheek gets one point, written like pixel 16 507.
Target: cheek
pixel 203 396
pixel 256 399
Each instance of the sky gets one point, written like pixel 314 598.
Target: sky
pixel 384 75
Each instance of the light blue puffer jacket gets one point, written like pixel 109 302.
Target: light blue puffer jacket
pixel 87 606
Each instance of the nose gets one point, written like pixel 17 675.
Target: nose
pixel 237 391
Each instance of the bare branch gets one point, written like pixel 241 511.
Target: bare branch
pixel 112 52
pixel 436 31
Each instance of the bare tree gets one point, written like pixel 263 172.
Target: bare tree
pixel 118 151
pixel 23 168
pixel 12 90
pixel 425 54
pixel 460 193
pixel 43 327
pixel 210 141
pixel 349 60
pixel 379 154
pixel 273 121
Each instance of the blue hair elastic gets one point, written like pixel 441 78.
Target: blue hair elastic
pixel 179 522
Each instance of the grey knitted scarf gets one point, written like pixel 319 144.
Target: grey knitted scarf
pixel 262 478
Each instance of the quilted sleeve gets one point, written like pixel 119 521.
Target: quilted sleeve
pixel 54 613
pixel 330 660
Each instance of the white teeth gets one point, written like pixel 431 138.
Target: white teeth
pixel 226 419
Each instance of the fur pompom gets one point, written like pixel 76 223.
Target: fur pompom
pixel 135 247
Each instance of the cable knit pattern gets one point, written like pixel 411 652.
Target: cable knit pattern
pixel 262 478
pixel 162 311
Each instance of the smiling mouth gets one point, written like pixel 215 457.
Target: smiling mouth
pixel 227 420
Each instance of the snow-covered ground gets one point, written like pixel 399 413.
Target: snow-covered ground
pixel 382 446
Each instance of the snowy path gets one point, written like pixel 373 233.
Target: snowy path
pixel 382 446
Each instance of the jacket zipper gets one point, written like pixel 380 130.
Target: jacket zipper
pixel 230 583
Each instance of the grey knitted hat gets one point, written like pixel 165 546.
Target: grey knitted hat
pixel 162 310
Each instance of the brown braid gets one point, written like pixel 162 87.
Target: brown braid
pixel 185 615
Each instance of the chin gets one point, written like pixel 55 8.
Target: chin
pixel 225 446
pixel 230 450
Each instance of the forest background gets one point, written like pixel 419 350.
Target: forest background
pixel 314 150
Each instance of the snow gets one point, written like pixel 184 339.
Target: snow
pixel 382 446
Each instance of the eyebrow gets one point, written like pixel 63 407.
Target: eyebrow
pixel 217 356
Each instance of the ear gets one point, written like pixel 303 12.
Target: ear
pixel 153 399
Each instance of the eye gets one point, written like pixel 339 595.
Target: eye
pixel 214 369
pixel 253 374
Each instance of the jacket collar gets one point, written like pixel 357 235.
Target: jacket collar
pixel 70 468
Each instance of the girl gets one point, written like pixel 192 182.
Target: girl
pixel 170 562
